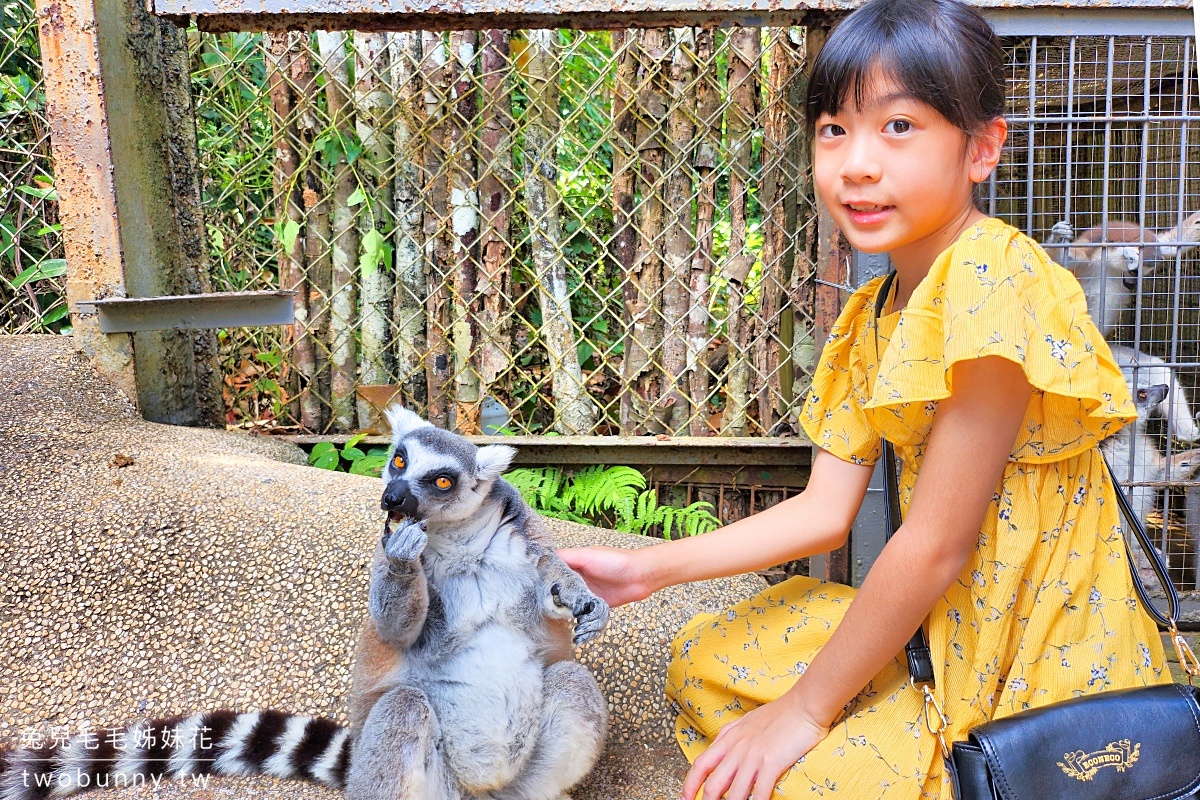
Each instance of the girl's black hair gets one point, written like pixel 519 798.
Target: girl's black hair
pixel 941 52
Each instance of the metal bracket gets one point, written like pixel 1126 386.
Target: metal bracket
pixel 183 312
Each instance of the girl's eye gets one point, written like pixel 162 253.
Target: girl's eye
pixel 443 482
pixel 831 129
pixel 899 126
pixel 398 462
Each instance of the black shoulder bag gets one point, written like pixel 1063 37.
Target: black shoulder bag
pixel 1126 744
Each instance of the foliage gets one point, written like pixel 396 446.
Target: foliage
pixel 614 497
pixel 31 263
pixel 352 459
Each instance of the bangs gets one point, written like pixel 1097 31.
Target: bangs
pixel 936 51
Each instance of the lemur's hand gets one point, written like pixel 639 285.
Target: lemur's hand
pixel 1061 233
pixel 407 542
pixel 590 612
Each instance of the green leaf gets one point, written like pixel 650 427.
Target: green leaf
pixel 321 449
pixel 375 252
pixel 54 314
pixel 49 193
pixel 50 268
pixel 327 461
pixel 357 197
pixel 287 233
pixel 268 385
pixel 355 439
pixel 371 465
pixel 352 453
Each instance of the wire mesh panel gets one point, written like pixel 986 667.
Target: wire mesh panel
pixel 1104 167
pixel 31 258
pixel 543 231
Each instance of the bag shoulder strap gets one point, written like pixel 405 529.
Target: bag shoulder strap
pixel 920 662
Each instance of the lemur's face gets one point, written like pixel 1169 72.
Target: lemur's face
pixel 435 475
pixel 1145 398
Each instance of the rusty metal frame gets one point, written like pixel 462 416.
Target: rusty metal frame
pixel 1079 17
pixel 736 462
pixel 123 139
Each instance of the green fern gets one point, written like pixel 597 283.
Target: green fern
pixel 614 497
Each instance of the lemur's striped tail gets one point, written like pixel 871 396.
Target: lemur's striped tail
pixel 213 743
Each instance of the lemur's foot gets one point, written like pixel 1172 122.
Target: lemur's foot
pixel 406 541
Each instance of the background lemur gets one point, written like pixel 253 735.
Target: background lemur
pixel 1136 458
pixel 1107 264
pixel 464 679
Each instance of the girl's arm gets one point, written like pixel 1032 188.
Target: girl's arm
pixel 973 432
pixel 814 521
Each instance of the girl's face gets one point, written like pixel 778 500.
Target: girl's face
pixel 897 176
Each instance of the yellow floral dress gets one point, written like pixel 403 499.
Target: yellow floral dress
pixel 1044 609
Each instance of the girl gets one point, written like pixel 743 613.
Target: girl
pixel 986 372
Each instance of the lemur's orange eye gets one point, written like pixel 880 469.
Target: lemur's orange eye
pixel 398 462
pixel 443 482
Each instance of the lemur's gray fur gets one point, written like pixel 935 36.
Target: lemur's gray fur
pixel 483 697
pixel 464 680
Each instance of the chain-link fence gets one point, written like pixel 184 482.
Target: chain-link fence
pixel 31 259
pixel 613 232
pixel 539 231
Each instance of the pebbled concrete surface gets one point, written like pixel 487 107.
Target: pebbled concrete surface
pixel 149 570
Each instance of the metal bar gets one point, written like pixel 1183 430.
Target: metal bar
pixel 736 462
pixel 1045 17
pixel 709 449
pixel 1093 21
pixel 372 15
pixel 197 311
pixel 1069 178
pixel 1178 261
pixel 1030 131
pixel 1108 118
pixel 1108 107
pixel 1143 161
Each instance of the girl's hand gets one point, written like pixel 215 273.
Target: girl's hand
pixel 618 576
pixel 749 755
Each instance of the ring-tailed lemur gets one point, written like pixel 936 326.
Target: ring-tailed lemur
pixel 1146 370
pixel 464 678
pixel 1135 457
pixel 1106 264
pixel 464 682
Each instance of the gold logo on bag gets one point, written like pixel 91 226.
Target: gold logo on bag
pixel 1084 766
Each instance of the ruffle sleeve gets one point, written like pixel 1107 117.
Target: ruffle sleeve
pixel 997 293
pixel 832 414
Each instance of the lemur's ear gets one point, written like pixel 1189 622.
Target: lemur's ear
pixel 493 460
pixel 403 421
